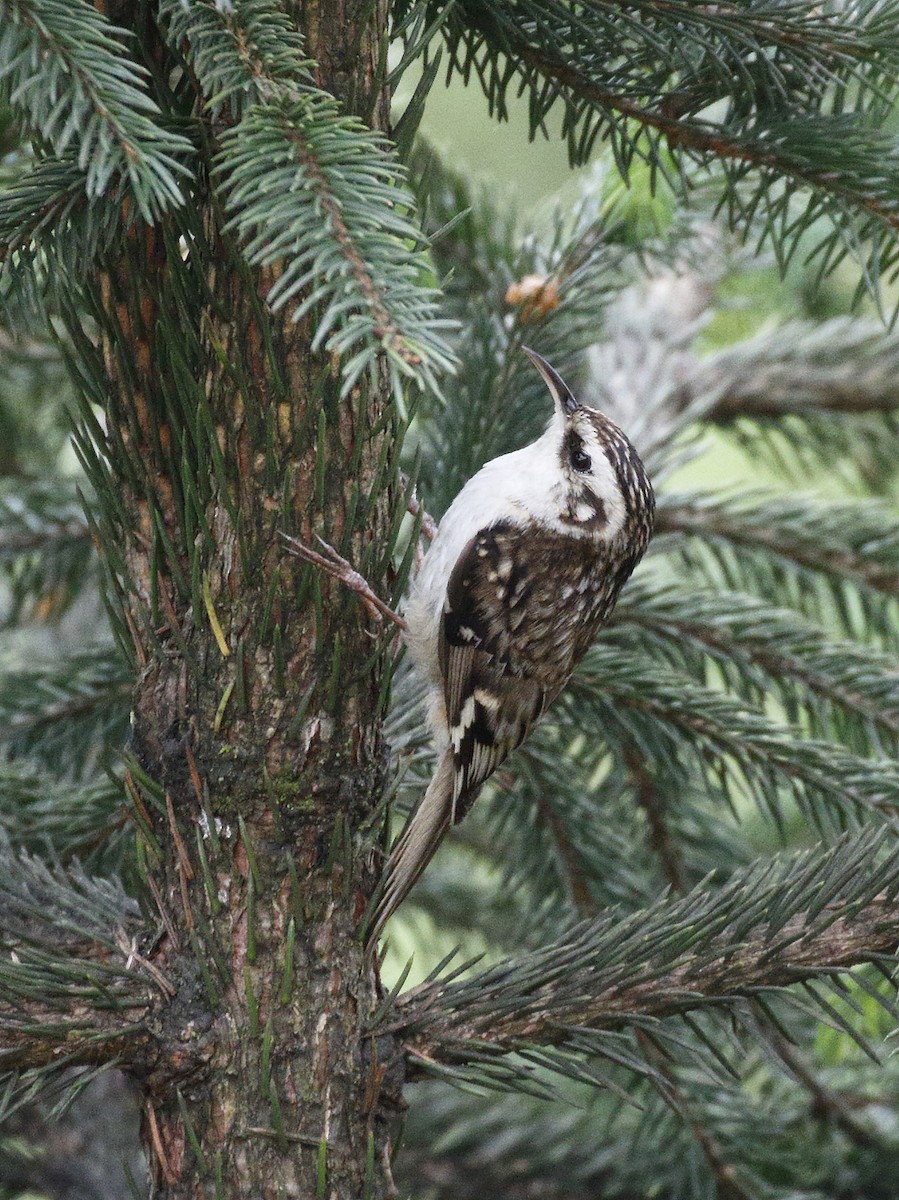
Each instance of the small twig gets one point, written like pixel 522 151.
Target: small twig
pixel 653 806
pixel 261 1131
pixel 727 1180
pixel 336 565
pixel 428 524
pixel 166 919
pixel 167 1173
pixel 827 1104
pixel 130 948
pixel 185 870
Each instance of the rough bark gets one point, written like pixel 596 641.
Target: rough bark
pixel 256 734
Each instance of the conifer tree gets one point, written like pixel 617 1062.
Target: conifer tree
pixel 262 306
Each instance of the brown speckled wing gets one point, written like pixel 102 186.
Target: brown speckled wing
pixel 493 695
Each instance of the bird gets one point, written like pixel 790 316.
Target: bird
pixel 526 565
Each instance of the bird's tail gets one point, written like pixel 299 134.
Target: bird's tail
pixel 416 845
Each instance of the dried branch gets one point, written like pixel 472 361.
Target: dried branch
pixel 839 366
pixel 648 375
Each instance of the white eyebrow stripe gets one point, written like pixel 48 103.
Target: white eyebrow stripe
pixel 590 440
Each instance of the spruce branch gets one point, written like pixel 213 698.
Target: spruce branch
pixel 45 549
pixel 554 851
pixel 654 805
pixel 759 648
pixel 775 149
pixel 36 517
pixel 567 858
pixel 315 191
pixel 63 67
pixel 670 62
pixel 471 1177
pixel 243 53
pixel 83 820
pixel 40 200
pixel 794 918
pixel 595 1145
pixel 802 97
pixel 857 542
pixel 67 708
pixel 73 989
pixel 728 1182
pixel 733 745
pixel 826 1103
pixel 76 1136
pixel 47 211
pixel 804 394
pixel 31 350
pixel 688 54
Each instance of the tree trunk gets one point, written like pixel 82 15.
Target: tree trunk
pixel 257 750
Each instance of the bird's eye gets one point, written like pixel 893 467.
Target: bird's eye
pixel 580 460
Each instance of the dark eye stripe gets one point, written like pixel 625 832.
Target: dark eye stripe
pixel 573 452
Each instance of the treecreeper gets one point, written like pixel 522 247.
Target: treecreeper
pixel 525 567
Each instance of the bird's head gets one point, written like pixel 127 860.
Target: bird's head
pixel 599 488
